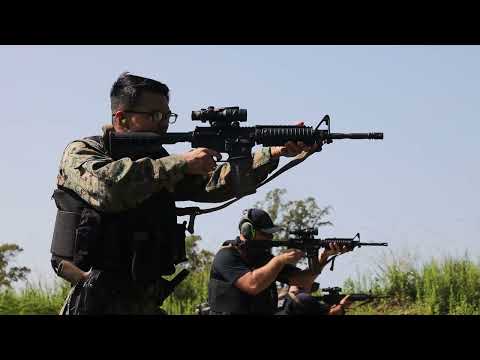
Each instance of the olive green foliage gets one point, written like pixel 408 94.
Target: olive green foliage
pixel 10 274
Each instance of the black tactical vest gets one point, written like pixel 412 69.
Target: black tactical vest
pixel 143 243
pixel 226 298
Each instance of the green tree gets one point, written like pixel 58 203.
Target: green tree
pixel 10 274
pixel 293 213
pixel 198 259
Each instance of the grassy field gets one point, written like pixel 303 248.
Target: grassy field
pixel 34 299
pixel 447 286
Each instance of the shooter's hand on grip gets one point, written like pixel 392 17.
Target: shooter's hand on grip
pixel 200 161
pixel 291 256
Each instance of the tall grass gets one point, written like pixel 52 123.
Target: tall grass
pixel 39 299
pixel 34 299
pixel 446 286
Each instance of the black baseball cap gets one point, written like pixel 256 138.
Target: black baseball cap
pixel 262 221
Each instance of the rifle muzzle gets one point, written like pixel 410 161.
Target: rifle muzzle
pixel 371 136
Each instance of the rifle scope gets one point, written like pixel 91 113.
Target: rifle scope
pixel 219 115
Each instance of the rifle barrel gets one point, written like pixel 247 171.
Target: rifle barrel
pixel 372 244
pixel 275 243
pixel 372 136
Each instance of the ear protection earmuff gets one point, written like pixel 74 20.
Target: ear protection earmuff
pixel 246 227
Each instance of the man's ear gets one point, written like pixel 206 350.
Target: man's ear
pixel 120 122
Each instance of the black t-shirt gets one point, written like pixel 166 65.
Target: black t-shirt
pixel 228 266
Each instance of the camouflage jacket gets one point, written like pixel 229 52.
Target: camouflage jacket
pixel 116 185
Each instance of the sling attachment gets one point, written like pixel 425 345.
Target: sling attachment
pixel 192 211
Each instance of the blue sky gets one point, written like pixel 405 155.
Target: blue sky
pixel 417 189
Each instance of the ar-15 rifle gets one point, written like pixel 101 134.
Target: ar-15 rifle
pixel 304 240
pixel 333 296
pixel 225 135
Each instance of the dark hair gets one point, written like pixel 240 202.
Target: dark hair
pixel 128 88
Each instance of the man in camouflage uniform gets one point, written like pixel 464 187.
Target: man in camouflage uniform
pixel 125 235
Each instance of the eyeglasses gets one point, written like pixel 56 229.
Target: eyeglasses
pixel 157 115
